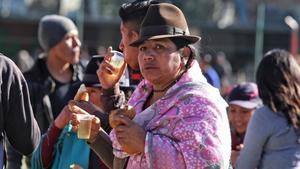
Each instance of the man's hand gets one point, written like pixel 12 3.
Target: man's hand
pixel 63 118
pixel 87 106
pixel 96 123
pixel 105 72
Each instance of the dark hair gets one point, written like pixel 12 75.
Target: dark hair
pixel 134 12
pixel 190 57
pixel 179 42
pixel 278 81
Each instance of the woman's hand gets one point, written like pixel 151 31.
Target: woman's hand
pixel 130 135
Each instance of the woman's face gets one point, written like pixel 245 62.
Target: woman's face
pixel 159 61
pixel 239 117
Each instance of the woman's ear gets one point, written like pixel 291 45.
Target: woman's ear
pixel 186 52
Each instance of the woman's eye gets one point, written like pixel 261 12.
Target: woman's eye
pixel 158 46
pixel 142 48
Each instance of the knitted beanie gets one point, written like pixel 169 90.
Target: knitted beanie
pixel 52 29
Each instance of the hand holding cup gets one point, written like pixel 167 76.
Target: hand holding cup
pixel 111 69
pixel 86 125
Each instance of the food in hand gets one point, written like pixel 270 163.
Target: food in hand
pixel 82 94
pixel 114 122
pixel 129 150
pixel 126 111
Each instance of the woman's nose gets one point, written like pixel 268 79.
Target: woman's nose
pixel 149 55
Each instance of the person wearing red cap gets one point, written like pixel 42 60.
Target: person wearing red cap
pixel 243 100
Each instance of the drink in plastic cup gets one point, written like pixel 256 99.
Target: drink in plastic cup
pixel 117 59
pixel 84 127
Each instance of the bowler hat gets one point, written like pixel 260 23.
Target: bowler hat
pixel 164 20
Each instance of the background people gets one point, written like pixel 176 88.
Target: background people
pixel 52 78
pixel 18 125
pixel 209 72
pixel 272 137
pixel 60 146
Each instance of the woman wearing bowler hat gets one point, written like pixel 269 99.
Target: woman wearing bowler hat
pixel 180 121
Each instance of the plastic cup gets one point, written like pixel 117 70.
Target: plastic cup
pixel 84 127
pixel 117 59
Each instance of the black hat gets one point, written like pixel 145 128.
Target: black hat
pixel 245 95
pixel 165 20
pixel 52 29
pixel 90 77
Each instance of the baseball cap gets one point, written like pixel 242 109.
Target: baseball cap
pixel 245 95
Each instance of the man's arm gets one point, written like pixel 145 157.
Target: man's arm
pixel 112 98
pixel 102 146
pixel 20 126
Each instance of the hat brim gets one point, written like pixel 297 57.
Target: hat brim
pixel 245 104
pixel 191 39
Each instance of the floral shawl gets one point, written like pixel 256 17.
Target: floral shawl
pixel 187 128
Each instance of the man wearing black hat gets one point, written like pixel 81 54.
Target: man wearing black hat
pixel 52 77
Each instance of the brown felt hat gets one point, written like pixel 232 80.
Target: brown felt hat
pixel 164 20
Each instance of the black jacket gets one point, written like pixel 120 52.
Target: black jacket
pixel 17 122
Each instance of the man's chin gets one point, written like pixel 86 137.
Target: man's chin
pixel 75 60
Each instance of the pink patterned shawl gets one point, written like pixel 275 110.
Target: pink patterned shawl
pixel 186 128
